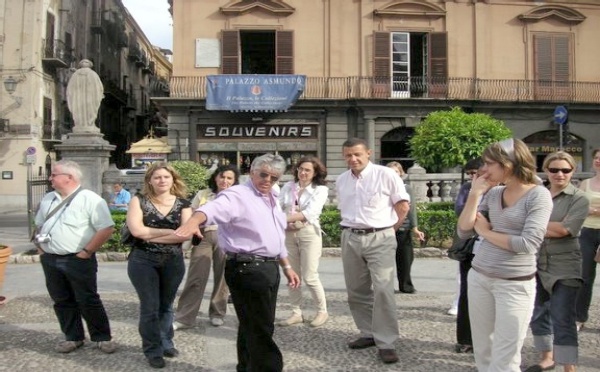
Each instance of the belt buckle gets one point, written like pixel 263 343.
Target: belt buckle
pixel 360 231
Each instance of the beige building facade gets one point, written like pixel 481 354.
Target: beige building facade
pixel 375 68
pixel 41 43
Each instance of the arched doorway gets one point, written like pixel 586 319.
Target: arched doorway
pixel 542 143
pixel 395 147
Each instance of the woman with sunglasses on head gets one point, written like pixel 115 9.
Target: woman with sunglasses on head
pixel 156 266
pixel 589 240
pixel 501 282
pixel 559 269
pixel 204 254
pixel 303 199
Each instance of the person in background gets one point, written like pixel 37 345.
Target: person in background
pixel 120 198
pixel 404 239
pixel 501 282
pixel 67 243
pixel 589 241
pixel 470 170
pixel 203 254
pixel 559 269
pixel 373 204
pixel 464 342
pixel 303 199
pixel 156 266
pixel 252 235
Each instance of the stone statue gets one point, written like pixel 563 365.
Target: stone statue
pixel 84 95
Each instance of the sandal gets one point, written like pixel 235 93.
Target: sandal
pixel 2 300
pixel 463 349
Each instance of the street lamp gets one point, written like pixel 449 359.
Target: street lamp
pixel 10 84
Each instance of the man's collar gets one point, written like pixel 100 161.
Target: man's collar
pixel 366 170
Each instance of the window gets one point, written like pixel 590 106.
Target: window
pixel 552 66
pixel 257 52
pixel 410 64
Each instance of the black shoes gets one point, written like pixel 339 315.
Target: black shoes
pixel 157 362
pixel 171 353
pixel 388 356
pixel 362 343
pixel 538 368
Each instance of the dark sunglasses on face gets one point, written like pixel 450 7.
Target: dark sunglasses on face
pixel 563 170
pixel 267 176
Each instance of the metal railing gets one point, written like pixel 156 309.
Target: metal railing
pixel 453 88
pixel 56 49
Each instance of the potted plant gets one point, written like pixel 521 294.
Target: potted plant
pixel 447 139
pixel 5 252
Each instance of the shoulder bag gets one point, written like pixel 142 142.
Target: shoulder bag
pixel 462 249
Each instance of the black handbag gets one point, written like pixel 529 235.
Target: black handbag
pixel 126 236
pixel 462 249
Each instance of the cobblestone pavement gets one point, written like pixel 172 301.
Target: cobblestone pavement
pixel 28 332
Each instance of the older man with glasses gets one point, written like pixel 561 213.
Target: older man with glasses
pixel 252 234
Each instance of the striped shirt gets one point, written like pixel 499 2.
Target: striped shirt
pixel 526 222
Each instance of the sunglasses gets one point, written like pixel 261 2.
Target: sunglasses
pixel 563 170
pixel 269 177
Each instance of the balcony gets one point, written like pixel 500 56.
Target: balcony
pixel 96 22
pixel 358 87
pixel 55 54
pixel 112 90
pixel 149 68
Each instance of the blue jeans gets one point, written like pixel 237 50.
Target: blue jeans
pixel 553 322
pixel 72 285
pixel 589 239
pixel 156 278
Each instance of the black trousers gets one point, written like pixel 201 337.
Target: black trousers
pixel 253 287
pixel 404 260
pixel 463 322
pixel 72 285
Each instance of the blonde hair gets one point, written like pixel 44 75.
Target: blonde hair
pixel 559 155
pixel 178 189
pixel 515 156
pixel 396 165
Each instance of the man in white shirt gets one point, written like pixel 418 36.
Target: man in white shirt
pixel 373 204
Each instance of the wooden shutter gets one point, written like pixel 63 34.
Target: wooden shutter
pixel 552 66
pixel 47 118
pixel 49 50
pixel 438 65
pixel 230 52
pixel 284 52
pixel 381 87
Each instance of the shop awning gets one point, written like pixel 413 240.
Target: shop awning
pixel 253 93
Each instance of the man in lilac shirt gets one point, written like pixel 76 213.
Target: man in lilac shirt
pixel 252 234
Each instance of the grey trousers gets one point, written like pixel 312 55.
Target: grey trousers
pixel 369 269
pixel 203 255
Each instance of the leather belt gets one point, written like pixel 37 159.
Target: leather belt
pixel 246 257
pixel 364 231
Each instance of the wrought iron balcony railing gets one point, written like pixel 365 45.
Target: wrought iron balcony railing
pixel 56 54
pixel 359 87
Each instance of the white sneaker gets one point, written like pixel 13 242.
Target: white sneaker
pixel 453 311
pixel 217 322
pixel 177 325
pixel 294 319
pixel 319 320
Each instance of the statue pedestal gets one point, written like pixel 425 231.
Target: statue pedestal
pixel 92 153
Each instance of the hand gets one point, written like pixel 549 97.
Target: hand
pixel 188 229
pixel 83 255
pixel 482 225
pixel 480 184
pixel 292 277
pixel 419 234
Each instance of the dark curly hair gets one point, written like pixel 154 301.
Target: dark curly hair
pixel 212 181
pixel 320 170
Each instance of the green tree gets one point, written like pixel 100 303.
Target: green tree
pixel 450 138
pixel 194 174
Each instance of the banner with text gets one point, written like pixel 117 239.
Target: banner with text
pixel 253 93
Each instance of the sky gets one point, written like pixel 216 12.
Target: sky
pixel 155 20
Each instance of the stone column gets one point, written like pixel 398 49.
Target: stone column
pixel 86 144
pixel 370 135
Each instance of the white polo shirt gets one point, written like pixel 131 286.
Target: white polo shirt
pixel 367 201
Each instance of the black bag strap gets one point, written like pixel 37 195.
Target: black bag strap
pixel 58 207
